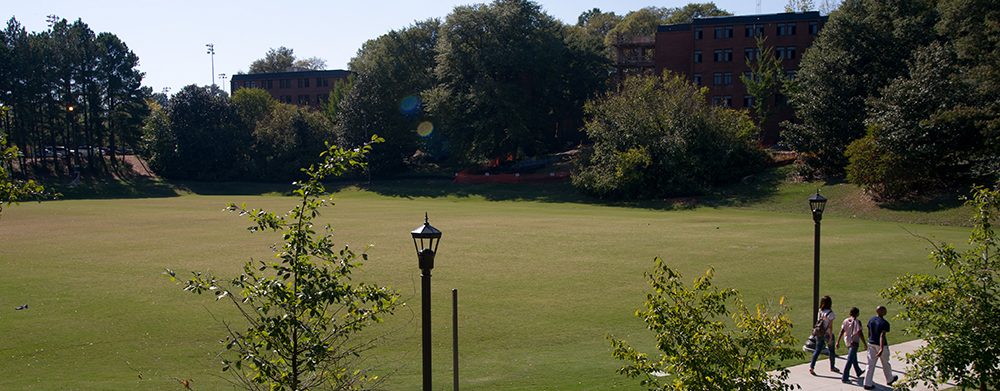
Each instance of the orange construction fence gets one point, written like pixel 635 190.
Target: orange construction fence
pixel 462 177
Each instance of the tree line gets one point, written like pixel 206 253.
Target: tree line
pixel 68 86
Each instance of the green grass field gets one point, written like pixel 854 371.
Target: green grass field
pixel 542 274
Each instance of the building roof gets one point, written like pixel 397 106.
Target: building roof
pixel 292 75
pixel 715 20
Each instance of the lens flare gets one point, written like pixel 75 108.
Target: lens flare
pixel 410 106
pixel 425 129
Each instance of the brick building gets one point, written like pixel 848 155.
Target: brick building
pixel 307 88
pixel 713 52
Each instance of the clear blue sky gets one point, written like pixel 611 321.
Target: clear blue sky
pixel 170 36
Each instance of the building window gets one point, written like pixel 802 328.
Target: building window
pixel 791 29
pixel 697 56
pixel 813 27
pixel 717 100
pixel 719 32
pixel 717 78
pixel 790 75
pixel 717 56
pixel 284 83
pixel 749 54
pixel 729 31
pixel 779 52
pixel 303 99
pixel 697 79
pixel 748 76
pixel 748 30
pixel 728 100
pixel 697 33
pixel 748 101
pixel 727 78
pixel 753 30
pixel 728 55
pixel 322 99
pixel 790 53
pixel 781 29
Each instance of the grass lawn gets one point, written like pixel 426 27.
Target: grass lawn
pixel 542 274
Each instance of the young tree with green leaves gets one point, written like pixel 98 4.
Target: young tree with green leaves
pixel 12 190
pixel 302 311
pixel 955 311
pixel 698 351
pixel 765 78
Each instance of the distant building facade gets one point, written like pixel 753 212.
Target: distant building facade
pixel 713 53
pixel 306 88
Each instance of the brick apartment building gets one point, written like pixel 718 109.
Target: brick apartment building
pixel 306 87
pixel 713 52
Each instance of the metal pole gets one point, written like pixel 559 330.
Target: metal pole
pixel 815 270
pixel 454 332
pixel 425 277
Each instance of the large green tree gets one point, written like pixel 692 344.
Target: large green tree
pixel 274 61
pixel 505 74
pixel 303 316
pixel 200 136
pixel 387 96
pixel 955 310
pixel 657 137
pixel 645 21
pixel 858 52
pixel 919 132
pixel 698 351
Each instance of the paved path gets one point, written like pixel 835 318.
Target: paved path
pixel 830 381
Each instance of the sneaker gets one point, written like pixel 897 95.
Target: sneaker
pixel 869 387
pixel 846 381
pixel 834 369
pixel 811 372
pixel 861 374
pixel 894 378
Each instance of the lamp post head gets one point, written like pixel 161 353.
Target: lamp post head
pixel 426 250
pixel 817 204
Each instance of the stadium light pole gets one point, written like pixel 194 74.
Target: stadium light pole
pixel 211 50
pixel 817 204
pixel 425 258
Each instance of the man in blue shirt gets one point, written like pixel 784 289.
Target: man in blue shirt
pixel 878 348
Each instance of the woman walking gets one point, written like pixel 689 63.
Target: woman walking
pixel 852 334
pixel 824 334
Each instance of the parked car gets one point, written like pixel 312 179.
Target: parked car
pixel 87 151
pixel 50 151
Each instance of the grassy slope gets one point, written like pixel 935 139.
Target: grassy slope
pixel 542 273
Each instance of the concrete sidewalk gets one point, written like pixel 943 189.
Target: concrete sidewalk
pixel 826 380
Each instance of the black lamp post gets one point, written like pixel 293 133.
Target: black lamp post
pixel 425 257
pixel 816 203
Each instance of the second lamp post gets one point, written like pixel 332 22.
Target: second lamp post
pixel 426 240
pixel 816 203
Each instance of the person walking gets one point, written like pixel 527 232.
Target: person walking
pixel 824 334
pixel 878 348
pixel 852 334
